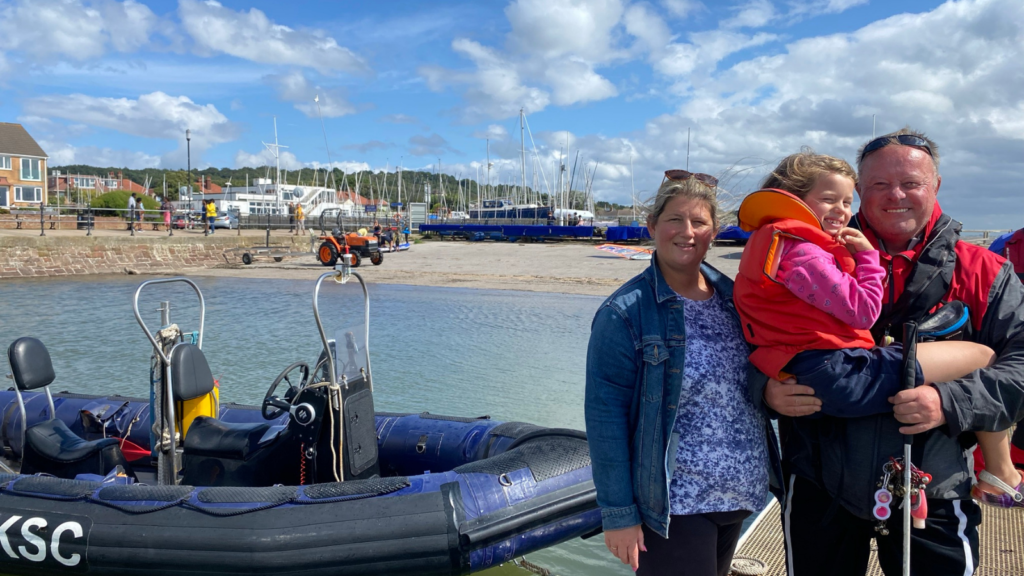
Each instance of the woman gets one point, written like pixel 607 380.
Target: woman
pixel 681 456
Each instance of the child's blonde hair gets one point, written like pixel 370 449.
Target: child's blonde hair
pixel 797 173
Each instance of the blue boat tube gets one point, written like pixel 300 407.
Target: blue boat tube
pixel 454 496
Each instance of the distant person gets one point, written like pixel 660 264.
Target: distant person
pixel 291 217
pixel 377 231
pixel 211 216
pixel 681 453
pixel 139 210
pixel 551 217
pixel 300 220
pixel 166 207
pixel 132 203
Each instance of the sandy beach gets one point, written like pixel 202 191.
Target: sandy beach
pixel 570 268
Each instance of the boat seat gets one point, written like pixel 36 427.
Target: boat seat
pixel 218 453
pixel 235 440
pixel 50 446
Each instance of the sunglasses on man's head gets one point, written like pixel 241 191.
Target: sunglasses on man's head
pixel 681 175
pixel 904 139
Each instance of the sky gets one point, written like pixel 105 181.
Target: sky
pixel 626 89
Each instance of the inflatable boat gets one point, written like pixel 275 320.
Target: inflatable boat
pixel 313 481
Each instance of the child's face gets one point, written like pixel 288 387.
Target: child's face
pixel 831 200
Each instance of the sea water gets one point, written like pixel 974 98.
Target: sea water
pixel 463 352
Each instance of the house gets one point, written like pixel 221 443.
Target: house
pixel 22 167
pixel 71 183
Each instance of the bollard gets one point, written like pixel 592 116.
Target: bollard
pixel 131 221
pixel 42 208
pixel 268 236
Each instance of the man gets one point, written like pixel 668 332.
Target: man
pixel 211 217
pixel 291 217
pixel 131 211
pixel 833 464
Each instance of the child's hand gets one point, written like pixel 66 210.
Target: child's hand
pixel 854 240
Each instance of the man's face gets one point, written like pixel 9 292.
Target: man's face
pixel 898 187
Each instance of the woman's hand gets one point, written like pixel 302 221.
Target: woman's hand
pixel 854 240
pixel 626 544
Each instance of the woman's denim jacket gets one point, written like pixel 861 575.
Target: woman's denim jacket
pixel 634 376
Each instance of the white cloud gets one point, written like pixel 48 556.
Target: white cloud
pixel 579 28
pixel 295 87
pixel 494 132
pixel 953 72
pixel 252 36
pixel 265 157
pixel 574 81
pixel 45 30
pixel 495 88
pixel 62 154
pixel 682 8
pixel 753 14
pixel 155 115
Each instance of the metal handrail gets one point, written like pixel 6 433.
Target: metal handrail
pixel 138 315
pixel 340 275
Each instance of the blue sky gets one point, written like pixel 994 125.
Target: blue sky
pixel 113 82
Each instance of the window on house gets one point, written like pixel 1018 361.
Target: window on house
pixel 28 194
pixel 5 162
pixel 3 196
pixel 85 183
pixel 30 169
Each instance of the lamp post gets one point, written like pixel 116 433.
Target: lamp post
pixel 188 150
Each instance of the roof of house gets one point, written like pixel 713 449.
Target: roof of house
pixel 14 139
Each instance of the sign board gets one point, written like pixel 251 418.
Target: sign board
pixel 417 214
pixel 396 204
pixel 370 208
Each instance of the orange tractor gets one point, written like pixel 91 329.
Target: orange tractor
pixel 359 246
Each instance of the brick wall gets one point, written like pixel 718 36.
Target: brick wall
pixel 60 256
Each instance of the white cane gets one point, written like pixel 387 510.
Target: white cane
pixel 909 382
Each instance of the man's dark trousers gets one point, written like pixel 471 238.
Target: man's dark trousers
pixel 826 540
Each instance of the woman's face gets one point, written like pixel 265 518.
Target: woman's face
pixel 683 233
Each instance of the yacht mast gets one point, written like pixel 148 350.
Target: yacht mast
pixel 522 151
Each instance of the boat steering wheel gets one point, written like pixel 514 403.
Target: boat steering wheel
pixel 273 406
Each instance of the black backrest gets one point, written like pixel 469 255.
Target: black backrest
pixel 30 364
pixel 190 374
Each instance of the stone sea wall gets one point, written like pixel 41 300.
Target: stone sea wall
pixel 60 256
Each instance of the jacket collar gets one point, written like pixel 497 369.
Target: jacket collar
pixel 663 292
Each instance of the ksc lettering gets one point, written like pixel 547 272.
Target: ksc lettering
pixel 27 540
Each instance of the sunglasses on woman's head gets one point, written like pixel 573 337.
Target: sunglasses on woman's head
pixel 681 175
pixel 904 139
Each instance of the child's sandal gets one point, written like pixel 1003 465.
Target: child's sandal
pixel 1010 498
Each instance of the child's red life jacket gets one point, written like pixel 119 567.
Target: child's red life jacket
pixel 774 319
pixel 1015 251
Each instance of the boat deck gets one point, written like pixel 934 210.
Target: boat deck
pixel 1001 533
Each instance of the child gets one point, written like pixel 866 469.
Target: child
pixel 805 270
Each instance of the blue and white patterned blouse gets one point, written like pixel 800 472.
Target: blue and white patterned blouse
pixel 722 460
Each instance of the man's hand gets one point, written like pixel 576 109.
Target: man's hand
pixel 626 544
pixel 789 398
pixel 921 406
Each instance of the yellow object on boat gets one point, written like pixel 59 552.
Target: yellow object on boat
pixel 188 410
